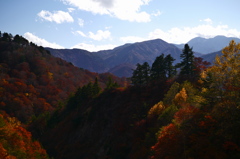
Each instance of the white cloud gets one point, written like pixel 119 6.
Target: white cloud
pixel 81 33
pixel 207 20
pixel 183 35
pixel 122 9
pixel 71 10
pixel 108 27
pixel 105 3
pixel 131 39
pixel 57 16
pixel 80 22
pixel 41 42
pixel 157 13
pixel 91 47
pixel 100 35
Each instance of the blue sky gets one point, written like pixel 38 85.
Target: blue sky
pixel 104 24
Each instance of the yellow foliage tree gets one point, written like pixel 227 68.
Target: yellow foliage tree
pixel 50 75
pixel 180 98
pixel 224 75
pixel 156 110
pixel 174 89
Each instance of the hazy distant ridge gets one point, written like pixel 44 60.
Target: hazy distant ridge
pixel 205 46
pixel 122 59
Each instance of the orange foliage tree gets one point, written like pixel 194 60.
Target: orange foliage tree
pixel 16 142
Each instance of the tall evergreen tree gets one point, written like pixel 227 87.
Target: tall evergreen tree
pixel 111 84
pixel 162 68
pixel 146 72
pixel 187 63
pixel 170 69
pixel 141 74
pixel 158 70
pixel 137 75
pixel 96 88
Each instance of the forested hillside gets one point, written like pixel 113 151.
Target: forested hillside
pixel 33 84
pixel 161 118
pixel 206 118
pixel 172 110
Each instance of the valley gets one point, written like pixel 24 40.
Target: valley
pixel 71 103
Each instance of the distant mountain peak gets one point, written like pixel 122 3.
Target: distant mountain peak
pixel 153 40
pixel 209 45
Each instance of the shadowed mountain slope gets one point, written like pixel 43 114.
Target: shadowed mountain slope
pixel 119 60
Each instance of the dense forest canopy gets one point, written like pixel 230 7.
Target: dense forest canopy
pixel 33 84
pixel 49 108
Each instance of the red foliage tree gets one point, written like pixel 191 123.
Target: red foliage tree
pixel 170 143
pixel 16 141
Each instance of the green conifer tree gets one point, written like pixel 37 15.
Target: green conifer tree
pixel 111 84
pixel 187 64
pixel 141 74
pixel 158 70
pixel 96 88
pixel 170 69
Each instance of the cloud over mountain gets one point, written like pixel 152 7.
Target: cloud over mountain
pixel 179 35
pixel 100 35
pixel 92 47
pixel 42 42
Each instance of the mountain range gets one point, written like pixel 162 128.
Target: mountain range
pixel 121 60
pixel 205 46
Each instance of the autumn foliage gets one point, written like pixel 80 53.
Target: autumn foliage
pixel 33 86
pixel 16 142
pixel 208 129
pixel 75 113
pixel 33 82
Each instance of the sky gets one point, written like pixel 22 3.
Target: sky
pixel 96 25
